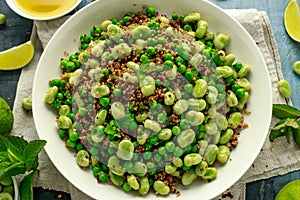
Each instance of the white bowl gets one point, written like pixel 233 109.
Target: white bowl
pixel 14 6
pixel 242 45
pixel 16 188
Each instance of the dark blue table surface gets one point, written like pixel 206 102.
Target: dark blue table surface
pixel 17 30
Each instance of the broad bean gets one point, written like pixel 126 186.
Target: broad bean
pixel 114 30
pixel 64 110
pixel 170 168
pixel 229 59
pixel 177 162
pixel 105 24
pixel 192 159
pixel 231 99
pixel 211 128
pixel 200 88
pixel 221 121
pixel 27 104
pixel 138 169
pixel 133 183
pixel 195 118
pixel 152 125
pixel 98 49
pixel 180 106
pixel 210 173
pixel 165 134
pixel 202 27
pixel 209 35
pixel 99 91
pixel 125 150
pixel 144 185
pixel 143 136
pixel 161 188
pixel 284 88
pixel 198 46
pixel 226 136
pixel 244 83
pixel 200 169
pixel 115 179
pixel 244 71
pixel 147 86
pixel 127 77
pixel 192 17
pixel 234 120
pixel 117 110
pixel 296 67
pixel 169 98
pixel 75 77
pixel 243 101
pixel 221 41
pixel 133 65
pixel 203 144
pixel 196 60
pixel 83 158
pixel 212 111
pixel 212 95
pixel 171 73
pixel 121 51
pixel 196 104
pixel 164 21
pixel 51 94
pixel 101 116
pixel 141 117
pixel 211 154
pixel 189 177
pixel 224 71
pixel 64 122
pixel 141 32
pixel 115 166
pixel 223 154
pixel 185 138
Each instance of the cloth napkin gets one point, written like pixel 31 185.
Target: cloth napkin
pixel 274 159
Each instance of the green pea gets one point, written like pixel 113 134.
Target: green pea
pixel 185 138
pixel 210 173
pixel 223 154
pixel 192 17
pixel 51 94
pixel 180 106
pixel 83 158
pixel 284 88
pixel 200 169
pixel 296 67
pixel 2 19
pixel 211 154
pixel 165 134
pixel 234 120
pixel 126 187
pixel 169 98
pixel 195 118
pixel 103 177
pixel 144 185
pixel 200 88
pixel 244 71
pixel 189 177
pixel 202 27
pixel 150 11
pixel 231 99
pixel 161 188
pixel 115 179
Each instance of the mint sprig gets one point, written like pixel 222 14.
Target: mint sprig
pixel 17 156
pixel 289 123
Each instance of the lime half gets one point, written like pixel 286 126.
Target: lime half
pixel 17 57
pixel 290 191
pixel 6 118
pixel 292 20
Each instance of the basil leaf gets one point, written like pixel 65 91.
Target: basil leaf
pixel 282 111
pixel 31 152
pixel 26 190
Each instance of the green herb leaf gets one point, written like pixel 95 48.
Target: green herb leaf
pixel 12 169
pixel 26 186
pixel 296 134
pixel 275 134
pixel 288 134
pixel 31 152
pixel 283 111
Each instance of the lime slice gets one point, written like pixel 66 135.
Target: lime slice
pixel 292 20
pixel 16 57
pixel 6 118
pixel 290 191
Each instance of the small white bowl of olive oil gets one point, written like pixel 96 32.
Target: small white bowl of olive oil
pixel 42 9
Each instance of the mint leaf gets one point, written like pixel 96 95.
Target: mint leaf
pixel 26 186
pixel 282 111
pixel 9 140
pixel 31 152
pixel 12 169
pixel 275 134
pixel 296 134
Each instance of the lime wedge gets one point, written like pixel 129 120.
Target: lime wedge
pixel 6 118
pixel 290 191
pixel 17 57
pixel 292 20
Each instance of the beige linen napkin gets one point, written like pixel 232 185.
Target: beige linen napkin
pixel 283 159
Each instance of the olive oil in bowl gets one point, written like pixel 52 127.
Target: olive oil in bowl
pixel 45 8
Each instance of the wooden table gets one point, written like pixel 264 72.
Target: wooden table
pixel 17 30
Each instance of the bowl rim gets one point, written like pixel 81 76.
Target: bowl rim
pixel 16 188
pixel 17 10
pixel 236 178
